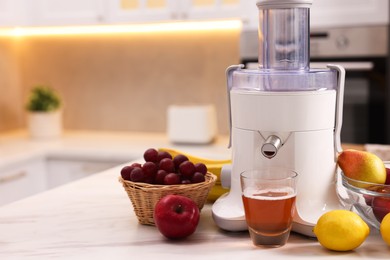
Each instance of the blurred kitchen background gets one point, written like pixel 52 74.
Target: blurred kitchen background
pixel 119 64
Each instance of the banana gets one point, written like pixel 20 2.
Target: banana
pixel 216 170
pixel 216 192
pixel 213 166
pixel 195 159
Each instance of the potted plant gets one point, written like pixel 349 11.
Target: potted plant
pixel 44 113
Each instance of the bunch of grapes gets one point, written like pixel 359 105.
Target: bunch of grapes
pixel 161 168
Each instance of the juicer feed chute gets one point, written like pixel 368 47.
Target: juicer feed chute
pixel 284 114
pixel 284 38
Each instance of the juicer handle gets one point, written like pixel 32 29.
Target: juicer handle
pixel 339 106
pixel 229 85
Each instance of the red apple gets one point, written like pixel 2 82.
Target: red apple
pixel 176 216
pixel 380 207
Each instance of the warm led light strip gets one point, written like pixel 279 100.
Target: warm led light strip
pixel 116 29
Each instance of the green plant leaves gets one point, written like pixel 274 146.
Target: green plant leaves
pixel 43 98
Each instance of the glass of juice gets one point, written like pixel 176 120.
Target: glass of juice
pixel 269 202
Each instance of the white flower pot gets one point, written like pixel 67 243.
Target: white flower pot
pixel 43 125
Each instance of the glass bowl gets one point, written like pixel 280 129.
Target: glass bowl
pixel 370 200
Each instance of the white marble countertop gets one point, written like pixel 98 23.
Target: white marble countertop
pixel 110 146
pixel 92 218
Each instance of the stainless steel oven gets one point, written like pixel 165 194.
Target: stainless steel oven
pixel 363 51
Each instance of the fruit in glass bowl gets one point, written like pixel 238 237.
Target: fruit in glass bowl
pixel 370 200
pixel 363 166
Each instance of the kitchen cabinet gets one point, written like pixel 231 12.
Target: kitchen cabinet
pixel 95 12
pixel 13 13
pixel 168 10
pixel 22 179
pixel 85 12
pixel 130 11
pixel 62 170
pixel 70 12
pixel 331 13
pixel 211 9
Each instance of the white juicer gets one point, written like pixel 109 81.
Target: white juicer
pixel 284 114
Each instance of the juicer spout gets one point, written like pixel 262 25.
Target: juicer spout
pixel 271 146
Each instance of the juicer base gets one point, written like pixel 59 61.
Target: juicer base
pixel 303 229
pixel 227 216
pixel 230 218
pixel 233 225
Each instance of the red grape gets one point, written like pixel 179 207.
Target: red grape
pixel 201 167
pixel 150 170
pixel 126 171
pixel 185 181
pixel 161 168
pixel 178 159
pixel 163 154
pixel 171 179
pixel 187 169
pixel 137 175
pixel 151 155
pixel 160 176
pixel 136 165
pixel 167 165
pixel 198 177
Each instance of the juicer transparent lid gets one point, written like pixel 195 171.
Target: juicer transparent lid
pixel 282 80
pixel 284 55
pixel 284 3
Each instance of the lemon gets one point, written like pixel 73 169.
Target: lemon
pixel 341 230
pixel 385 229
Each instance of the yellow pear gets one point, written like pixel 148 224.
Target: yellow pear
pixel 362 166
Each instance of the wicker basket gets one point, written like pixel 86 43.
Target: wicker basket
pixel 144 196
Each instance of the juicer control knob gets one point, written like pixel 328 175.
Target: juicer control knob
pixel 271 146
